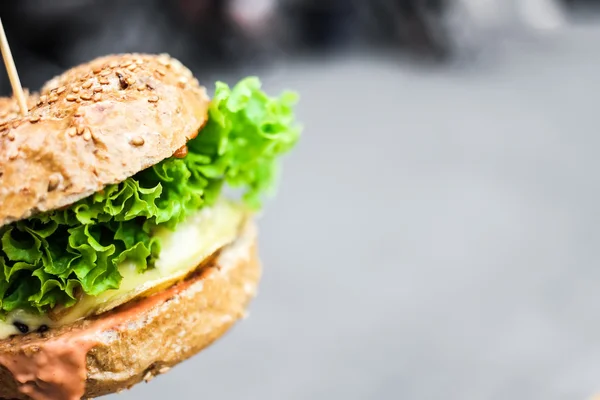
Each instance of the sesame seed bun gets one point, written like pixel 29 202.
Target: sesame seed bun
pixel 136 342
pixel 96 124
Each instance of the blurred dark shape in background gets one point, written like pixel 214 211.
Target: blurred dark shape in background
pixel 50 36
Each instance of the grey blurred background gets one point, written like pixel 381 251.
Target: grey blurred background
pixel 435 235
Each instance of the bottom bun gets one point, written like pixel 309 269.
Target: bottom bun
pixel 137 341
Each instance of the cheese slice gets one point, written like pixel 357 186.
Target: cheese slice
pixel 182 250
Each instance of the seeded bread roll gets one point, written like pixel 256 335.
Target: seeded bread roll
pixel 71 144
pixel 138 340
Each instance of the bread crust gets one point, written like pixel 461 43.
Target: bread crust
pixel 148 343
pixel 96 124
pixel 9 107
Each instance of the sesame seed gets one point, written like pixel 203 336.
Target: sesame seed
pixel 132 67
pixel 160 72
pixel 11 136
pixel 54 181
pixel 16 124
pixel 3 114
pixel 71 97
pixel 97 70
pixel 137 141
pixel 72 131
pixel 126 63
pixel 87 84
pixel 85 96
pixel 164 61
pixel 12 156
pixel 113 64
pixel 34 118
pixel 80 129
pixel 182 81
pixel 97 96
pixel 98 89
pixel 103 81
pixel 141 87
pixel 61 89
pixel 130 80
pixel 153 99
pixel 164 370
pixel 148 377
pixel 52 98
pixel 75 89
pixel 105 72
pixel 139 61
pixel 177 64
pixel 78 113
pixel 87 135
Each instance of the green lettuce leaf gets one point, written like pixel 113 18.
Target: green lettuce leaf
pixel 53 258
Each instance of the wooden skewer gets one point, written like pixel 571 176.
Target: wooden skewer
pixel 15 82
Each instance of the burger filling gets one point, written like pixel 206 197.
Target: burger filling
pixel 154 227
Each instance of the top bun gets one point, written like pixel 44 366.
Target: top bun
pixel 95 125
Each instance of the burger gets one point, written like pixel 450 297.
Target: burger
pixel 120 253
